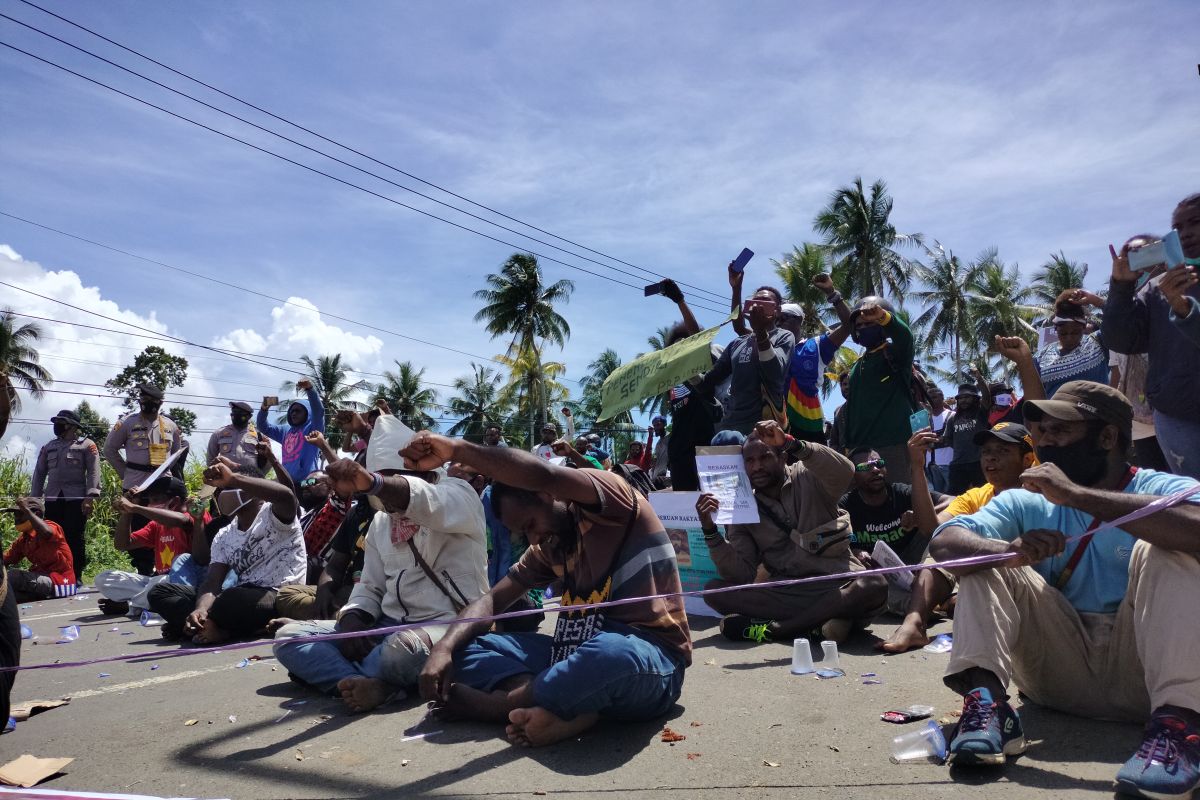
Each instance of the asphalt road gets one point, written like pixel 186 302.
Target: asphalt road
pixel 753 731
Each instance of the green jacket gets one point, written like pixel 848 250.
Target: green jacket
pixel 880 400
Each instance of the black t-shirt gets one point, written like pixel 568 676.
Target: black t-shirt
pixel 871 524
pixel 959 433
pixel 693 424
pixel 351 539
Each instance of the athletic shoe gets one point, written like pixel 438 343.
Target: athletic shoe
pixel 1167 765
pixel 740 628
pixel 987 732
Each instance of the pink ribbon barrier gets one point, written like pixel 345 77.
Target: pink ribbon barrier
pixel 1161 503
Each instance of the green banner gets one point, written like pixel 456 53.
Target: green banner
pixel 656 372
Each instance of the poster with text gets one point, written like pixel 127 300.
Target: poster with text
pixel 723 474
pixel 677 511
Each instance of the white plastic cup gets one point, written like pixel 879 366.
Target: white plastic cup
pixel 923 744
pixel 149 618
pixel 802 662
pixel 829 659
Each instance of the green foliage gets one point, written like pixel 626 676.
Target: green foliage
pixel 407 395
pixel 590 405
pixel 153 365
pixel 476 404
pixel 796 271
pixel 186 420
pixel 518 302
pixel 94 426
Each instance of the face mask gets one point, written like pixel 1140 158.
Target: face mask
pixel 403 528
pixel 1192 262
pixel 231 501
pixel 1084 462
pixel 358 446
pixel 1003 399
pixel 59 429
pixel 241 420
pixel 869 337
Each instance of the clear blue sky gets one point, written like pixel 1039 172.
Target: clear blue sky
pixel 670 135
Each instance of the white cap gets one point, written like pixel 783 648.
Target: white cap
pixel 791 309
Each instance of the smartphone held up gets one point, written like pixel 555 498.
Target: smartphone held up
pixel 1167 251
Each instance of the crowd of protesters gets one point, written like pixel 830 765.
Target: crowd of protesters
pixel 417 528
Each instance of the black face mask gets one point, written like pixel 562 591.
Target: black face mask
pixel 870 336
pixel 240 420
pixel 1084 461
pixel 60 428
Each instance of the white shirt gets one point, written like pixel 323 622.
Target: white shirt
pixel 942 455
pixel 543 451
pixel 269 554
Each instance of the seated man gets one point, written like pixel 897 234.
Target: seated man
pixel 167 534
pixel 1097 624
pixel 801 532
pixel 1005 452
pixel 263 544
pixel 42 541
pixel 342 564
pixel 591 535
pixel 881 511
pixel 426 559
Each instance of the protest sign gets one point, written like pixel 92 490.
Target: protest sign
pixel 723 473
pixel 677 511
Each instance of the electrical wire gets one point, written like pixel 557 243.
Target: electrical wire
pixel 345 146
pixel 316 171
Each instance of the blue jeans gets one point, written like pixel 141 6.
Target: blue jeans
pixel 397 660
pixel 938 476
pixel 618 673
pixel 725 438
pixel 1180 443
pixel 187 572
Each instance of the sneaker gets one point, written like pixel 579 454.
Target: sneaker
pixel 740 628
pixel 987 732
pixel 1167 765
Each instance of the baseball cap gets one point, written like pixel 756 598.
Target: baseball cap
pixel 1080 401
pixel 1009 432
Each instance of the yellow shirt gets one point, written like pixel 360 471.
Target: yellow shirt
pixel 971 500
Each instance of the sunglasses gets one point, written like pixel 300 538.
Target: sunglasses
pixel 867 466
pixel 309 482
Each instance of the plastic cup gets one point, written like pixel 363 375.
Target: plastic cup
pixel 923 744
pixel 829 658
pixel 802 662
pixel 149 618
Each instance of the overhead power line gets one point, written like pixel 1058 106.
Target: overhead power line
pixel 346 147
pixel 322 173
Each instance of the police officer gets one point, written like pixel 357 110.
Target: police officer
pixel 149 439
pixel 67 475
pixel 237 441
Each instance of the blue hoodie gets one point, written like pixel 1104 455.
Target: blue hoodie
pixel 299 457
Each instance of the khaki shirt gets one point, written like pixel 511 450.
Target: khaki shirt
pixel 237 445
pixel 815 539
pixel 147 445
pixel 67 468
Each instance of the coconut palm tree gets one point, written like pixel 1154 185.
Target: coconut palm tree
pixel 862 242
pixel 843 361
pixel 1053 278
pixel 796 271
pixel 946 319
pixel 591 404
pixel 518 303
pixel 19 367
pixel 410 400
pixel 659 403
pixel 476 403
pixel 999 303
pixel 532 386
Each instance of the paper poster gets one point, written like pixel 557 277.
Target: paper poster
pixel 723 473
pixel 677 511
pixel 158 473
pixel 885 556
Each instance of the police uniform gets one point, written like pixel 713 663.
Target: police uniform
pixel 66 471
pixel 238 445
pixel 147 445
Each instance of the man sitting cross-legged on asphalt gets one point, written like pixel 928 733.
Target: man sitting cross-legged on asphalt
pixel 262 544
pixel 1005 452
pixel 801 532
pixel 1100 626
pixel 596 539
pixel 425 559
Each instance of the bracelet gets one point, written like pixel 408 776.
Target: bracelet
pixel 376 484
pixel 834 298
pixel 713 534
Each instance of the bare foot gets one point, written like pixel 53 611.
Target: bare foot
pixel 468 703
pixel 909 636
pixel 536 727
pixel 363 694
pixel 210 634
